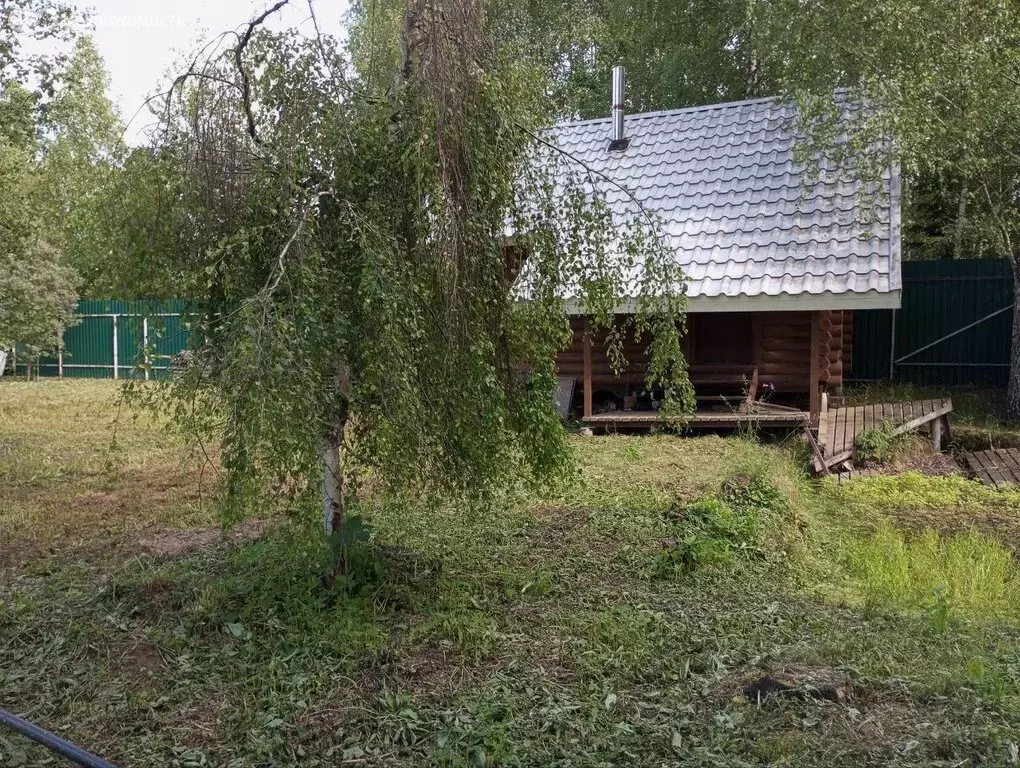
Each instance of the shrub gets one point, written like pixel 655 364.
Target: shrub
pixel 878 443
pixel 757 494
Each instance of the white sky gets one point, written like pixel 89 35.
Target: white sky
pixel 143 40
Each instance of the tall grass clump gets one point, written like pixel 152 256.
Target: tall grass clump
pixel 877 444
pixel 968 575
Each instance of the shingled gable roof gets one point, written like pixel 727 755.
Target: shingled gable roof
pixel 752 229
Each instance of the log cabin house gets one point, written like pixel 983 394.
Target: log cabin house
pixel 777 260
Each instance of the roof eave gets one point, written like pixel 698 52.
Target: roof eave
pixel 782 303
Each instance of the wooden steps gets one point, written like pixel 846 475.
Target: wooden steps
pixel 839 428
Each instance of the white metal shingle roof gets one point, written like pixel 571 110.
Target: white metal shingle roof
pixel 751 228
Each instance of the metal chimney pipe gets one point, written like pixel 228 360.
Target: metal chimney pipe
pixel 619 93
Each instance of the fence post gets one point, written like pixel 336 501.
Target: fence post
pixel 145 346
pixel 115 357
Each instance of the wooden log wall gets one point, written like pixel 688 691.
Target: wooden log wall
pixel 784 359
pixel 848 342
pixel 570 361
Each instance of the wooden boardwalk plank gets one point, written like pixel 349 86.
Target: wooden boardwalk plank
pixel 1011 461
pixel 976 469
pixel 989 465
pixel 997 472
pixel 848 433
pixel 1007 465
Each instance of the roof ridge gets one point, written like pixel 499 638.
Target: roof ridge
pixel 676 111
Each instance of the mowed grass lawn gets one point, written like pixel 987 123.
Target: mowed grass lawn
pixel 613 621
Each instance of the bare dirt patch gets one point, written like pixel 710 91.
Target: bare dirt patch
pixel 564 516
pixel 154 598
pixel 145 489
pixel 141 661
pixel 915 454
pixel 174 543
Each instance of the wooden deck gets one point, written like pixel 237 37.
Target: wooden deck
pixel 996 468
pixel 838 428
pixel 625 420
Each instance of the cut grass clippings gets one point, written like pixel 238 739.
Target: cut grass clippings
pixel 539 633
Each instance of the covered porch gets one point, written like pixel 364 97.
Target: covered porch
pixel 767 369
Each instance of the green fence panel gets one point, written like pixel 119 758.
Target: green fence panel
pixel 90 349
pixel 954 326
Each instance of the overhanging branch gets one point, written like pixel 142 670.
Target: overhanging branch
pixel 239 63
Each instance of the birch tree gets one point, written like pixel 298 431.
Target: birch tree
pixel 380 264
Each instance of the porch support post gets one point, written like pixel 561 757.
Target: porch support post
pixel 586 345
pixel 814 393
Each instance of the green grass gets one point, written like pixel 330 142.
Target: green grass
pixel 969 574
pixel 917 502
pixel 539 632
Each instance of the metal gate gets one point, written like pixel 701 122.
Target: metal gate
pixel 954 327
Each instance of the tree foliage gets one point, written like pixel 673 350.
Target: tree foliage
pixel 81 149
pixel 381 264
pixel 37 290
pixel 48 21
pixel 59 146
pixel 677 54
pixel 38 297
pixel 942 80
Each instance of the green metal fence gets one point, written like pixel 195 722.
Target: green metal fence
pixel 954 327
pixel 117 340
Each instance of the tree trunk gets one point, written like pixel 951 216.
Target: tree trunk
pixel 332 486
pixel 334 474
pixel 1013 393
pixel 334 501
pixel 961 220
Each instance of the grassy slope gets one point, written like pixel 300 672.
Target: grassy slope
pixel 533 635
